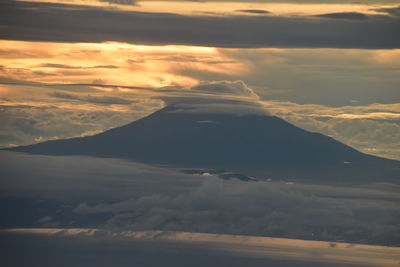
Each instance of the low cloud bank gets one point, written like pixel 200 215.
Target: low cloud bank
pixel 259 208
pixel 48 191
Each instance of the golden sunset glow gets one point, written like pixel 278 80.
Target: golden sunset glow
pixel 110 63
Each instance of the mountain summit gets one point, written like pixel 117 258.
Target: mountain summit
pixel 259 145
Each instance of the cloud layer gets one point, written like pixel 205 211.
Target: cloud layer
pixel 256 209
pixel 93 24
pixel 236 88
pixel 123 195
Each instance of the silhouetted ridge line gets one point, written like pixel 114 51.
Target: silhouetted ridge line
pixel 258 145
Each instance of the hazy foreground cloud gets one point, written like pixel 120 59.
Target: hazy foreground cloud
pixel 93 24
pixel 123 195
pixel 86 179
pixel 256 208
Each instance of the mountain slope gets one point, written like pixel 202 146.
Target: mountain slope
pixel 264 146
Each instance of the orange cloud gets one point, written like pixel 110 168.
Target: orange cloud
pixel 114 63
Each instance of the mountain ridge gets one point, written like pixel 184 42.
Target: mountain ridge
pixel 260 145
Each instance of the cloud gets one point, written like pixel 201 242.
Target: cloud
pixel 35 121
pixel 32 85
pixel 372 129
pixel 115 63
pixel 345 15
pixel 369 135
pixel 376 137
pixel 213 105
pixel 68 180
pixel 81 87
pixel 238 88
pixel 120 2
pixel 331 77
pixel 104 99
pixel 254 11
pixel 92 24
pixel 65 66
pixel 394 11
pixel 124 195
pixel 260 208
pixel 223 97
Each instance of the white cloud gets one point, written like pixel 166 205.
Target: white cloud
pixel 235 88
pixel 34 121
pixel 373 129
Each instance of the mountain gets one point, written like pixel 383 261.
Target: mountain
pixel 258 145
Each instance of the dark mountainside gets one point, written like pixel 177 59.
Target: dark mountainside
pixel 258 145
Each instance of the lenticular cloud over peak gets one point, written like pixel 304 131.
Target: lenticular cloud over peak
pixel 217 97
pixel 235 88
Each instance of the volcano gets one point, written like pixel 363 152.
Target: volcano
pixel 259 145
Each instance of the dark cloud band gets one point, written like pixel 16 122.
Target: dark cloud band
pixel 67 23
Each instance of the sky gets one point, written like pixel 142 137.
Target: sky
pixel 74 68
